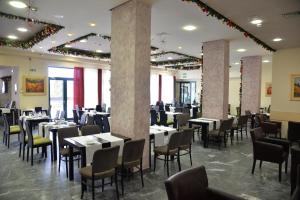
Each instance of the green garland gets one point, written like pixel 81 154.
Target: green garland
pixel 179 62
pixel 48 30
pixel 212 12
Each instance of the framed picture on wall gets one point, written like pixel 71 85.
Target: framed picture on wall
pixel 295 87
pixel 34 85
pixel 268 89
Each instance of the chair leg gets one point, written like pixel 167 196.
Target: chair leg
pixel 82 187
pixel 122 180
pixel 178 160
pixel 280 166
pixel 24 151
pixel 51 151
pixel 286 165
pixel 260 164
pixel 190 152
pixel 45 151
pixel 8 141
pixel 27 158
pixel 167 165
pixel 102 185
pixel 67 169
pixel 93 188
pixel 20 149
pixel 116 182
pixel 154 161
pixel 59 161
pixel 253 167
pixel 31 156
pixel 141 171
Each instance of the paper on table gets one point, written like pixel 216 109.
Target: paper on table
pixel 114 141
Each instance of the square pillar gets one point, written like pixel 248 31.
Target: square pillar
pixel 251 84
pixel 130 71
pixel 215 79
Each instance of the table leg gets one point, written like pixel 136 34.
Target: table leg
pixel 71 164
pixel 150 153
pixel 204 135
pixel 54 143
pixel 252 121
pixel 175 121
pixel 190 124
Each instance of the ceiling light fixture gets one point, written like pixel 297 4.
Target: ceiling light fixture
pixel 266 61
pixel 189 28
pixel 17 4
pixel 170 58
pixel 70 34
pixel 59 16
pixel 22 29
pixel 68 46
pixel 236 63
pixel 277 39
pixel 241 50
pixel 53 41
pixel 257 22
pixel 153 59
pixel 40 47
pixel 83 40
pixel 179 47
pixel 92 24
pixel 12 37
pixel 99 51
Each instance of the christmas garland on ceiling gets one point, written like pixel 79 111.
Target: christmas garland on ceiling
pixel 212 12
pixel 48 30
pixel 61 49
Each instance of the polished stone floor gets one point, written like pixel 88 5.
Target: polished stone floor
pixel 228 170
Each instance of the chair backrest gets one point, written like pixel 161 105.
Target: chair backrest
pixel 37 109
pixel 293 131
pixel 22 131
pixel 187 136
pixel 106 126
pixel 105 159
pixel 182 119
pixel 29 134
pixel 167 108
pixel 67 132
pixel 269 128
pixel 133 151
pixel 75 116
pixel 90 130
pixel 153 117
pixel 226 125
pixel 163 117
pixel 174 141
pixel 190 184
pixel 90 120
pixel 98 108
pixel 257 134
pixel 98 121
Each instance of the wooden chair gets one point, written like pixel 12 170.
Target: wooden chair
pixel 132 157
pixel 186 143
pixel 222 133
pixel 10 128
pixel 104 166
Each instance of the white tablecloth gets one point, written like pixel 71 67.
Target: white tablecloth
pixel 47 126
pixel 159 141
pixel 159 136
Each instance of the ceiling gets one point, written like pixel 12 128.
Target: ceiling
pixel 168 17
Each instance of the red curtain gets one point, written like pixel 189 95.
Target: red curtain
pixel 78 86
pixel 159 87
pixel 100 86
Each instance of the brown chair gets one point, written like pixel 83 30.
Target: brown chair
pixel 104 166
pixel 186 143
pixel 24 139
pixel 90 130
pixel 294 131
pixel 132 157
pixel 171 149
pixel 295 161
pixel 182 121
pixel 296 193
pixel 240 126
pixel 10 128
pixel 64 151
pixel 269 149
pixel 222 133
pixel 36 143
pixel 192 184
pixel 270 129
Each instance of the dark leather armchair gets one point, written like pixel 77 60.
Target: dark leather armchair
pixel 296 193
pixel 269 149
pixel 295 161
pixel 192 184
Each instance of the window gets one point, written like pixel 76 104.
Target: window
pixel 167 88
pixel 106 74
pixel 154 88
pixel 90 87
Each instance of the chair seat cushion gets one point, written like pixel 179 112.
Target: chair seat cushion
pixel 87 173
pixel 163 150
pixel 42 141
pixel 34 137
pixel 14 129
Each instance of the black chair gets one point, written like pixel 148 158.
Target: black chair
pixel 222 133
pixel 186 143
pixel 90 130
pixel 192 184
pixel 98 108
pixel 75 117
pixel 153 119
pixel 295 161
pixel 293 131
pixel 106 126
pixel 296 193
pixel 98 121
pixel 167 108
pixel 38 109
pixel 10 128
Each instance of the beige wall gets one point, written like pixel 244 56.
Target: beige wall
pixel 285 63
pixel 266 78
pixel 234 98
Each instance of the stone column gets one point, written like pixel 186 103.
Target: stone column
pixel 251 84
pixel 130 71
pixel 215 79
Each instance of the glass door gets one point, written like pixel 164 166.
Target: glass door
pixel 187 92
pixel 61 96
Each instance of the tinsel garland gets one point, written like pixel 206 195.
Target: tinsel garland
pixel 48 30
pixel 212 12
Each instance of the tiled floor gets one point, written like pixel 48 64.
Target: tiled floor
pixel 228 170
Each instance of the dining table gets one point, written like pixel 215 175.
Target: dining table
pixel 207 125
pixel 33 120
pixel 174 115
pixel 87 145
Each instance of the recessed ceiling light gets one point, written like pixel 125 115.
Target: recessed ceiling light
pixel 99 51
pixel 153 59
pixel 53 41
pixel 40 47
pixel 266 61
pixel 277 39
pixel 179 47
pixel 92 24
pixel 83 40
pixel 241 50
pixel 68 46
pixel 17 4
pixel 59 16
pixel 12 37
pixel 189 28
pixel 70 34
pixel 256 21
pixel 170 58
pixel 236 63
pixel 22 29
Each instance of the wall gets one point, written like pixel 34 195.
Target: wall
pixel 234 98
pixel 266 78
pixel 285 63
